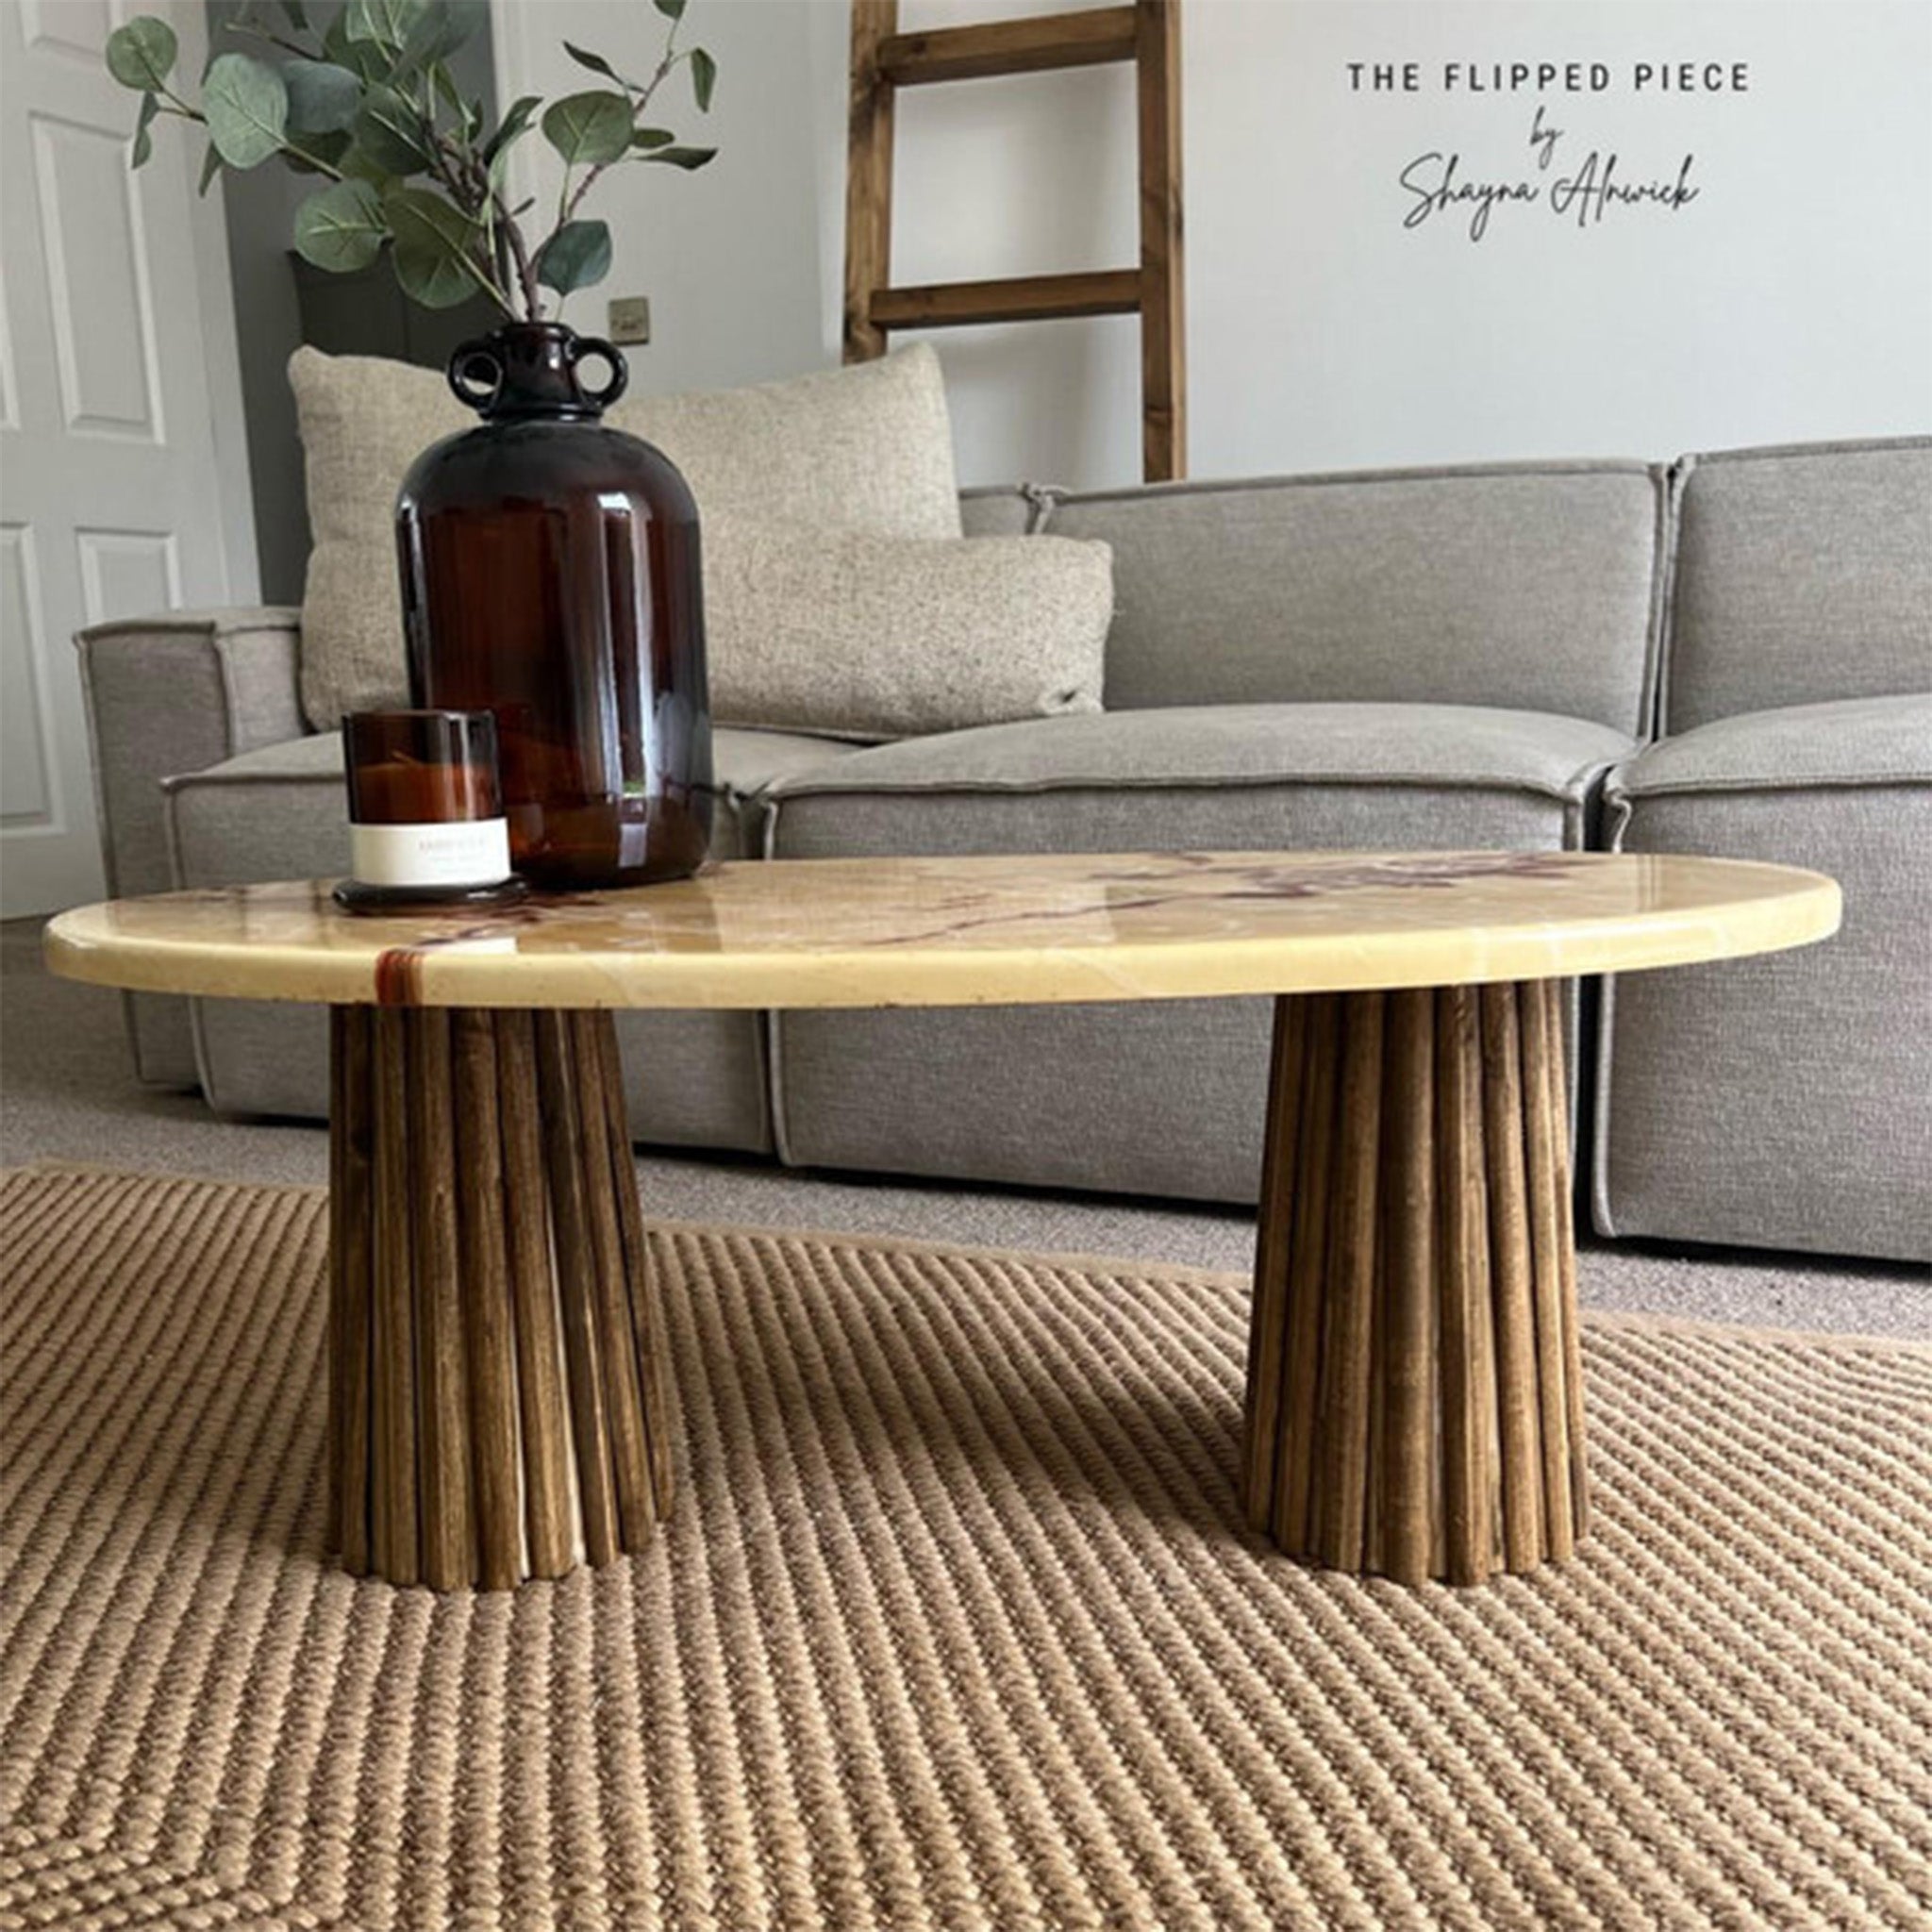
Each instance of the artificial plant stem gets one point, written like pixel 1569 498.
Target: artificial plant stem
pixel 526 269
pixel 566 211
pixel 274 39
pixel 315 161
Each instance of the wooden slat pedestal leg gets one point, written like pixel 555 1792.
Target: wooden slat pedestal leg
pixel 1415 1402
pixel 498 1407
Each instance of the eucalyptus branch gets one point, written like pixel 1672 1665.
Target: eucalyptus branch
pixel 446 163
pixel 484 281
pixel 567 211
pixel 274 39
pixel 526 267
pixel 315 161
pixel 359 114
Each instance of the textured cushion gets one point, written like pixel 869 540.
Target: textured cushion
pixel 883 636
pixel 868 448
pixel 279 811
pixel 1784 1101
pixel 1803 574
pixel 1852 741
pixel 691 1079
pixel 1530 588
pixel 1161 1097
pixel 1234 774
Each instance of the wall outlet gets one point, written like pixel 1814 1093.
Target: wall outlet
pixel 629 319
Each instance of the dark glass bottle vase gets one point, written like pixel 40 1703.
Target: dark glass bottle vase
pixel 551 574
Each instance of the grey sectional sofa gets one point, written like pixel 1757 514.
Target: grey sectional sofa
pixel 1475 657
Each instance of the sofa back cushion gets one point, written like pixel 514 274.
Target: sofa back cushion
pixel 1803 574
pixel 874 638
pixel 1530 587
pixel 866 449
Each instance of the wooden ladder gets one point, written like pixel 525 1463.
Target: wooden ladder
pixel 884 60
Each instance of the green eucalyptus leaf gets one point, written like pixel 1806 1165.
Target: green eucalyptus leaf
pixel 434 239
pixel 341 227
pixel 703 77
pixel 363 58
pixel 322 97
pixel 297 15
pixel 356 163
pixel 247 109
pixel 318 152
pixel 141 53
pixel 597 64
pixel 515 120
pixel 389 129
pixel 210 167
pixel 387 22
pixel 671 9
pixel 576 257
pixel 438 30
pixel 144 142
pixel 652 137
pixel 685 157
pixel 588 127
pixel 444 89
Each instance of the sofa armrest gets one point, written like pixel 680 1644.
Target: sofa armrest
pixel 177 693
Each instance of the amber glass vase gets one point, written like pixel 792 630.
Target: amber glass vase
pixel 551 574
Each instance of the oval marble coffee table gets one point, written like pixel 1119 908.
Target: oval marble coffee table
pixel 498 1406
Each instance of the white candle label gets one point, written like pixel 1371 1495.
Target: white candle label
pixel 474 852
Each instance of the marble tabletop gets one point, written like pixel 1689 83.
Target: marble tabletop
pixel 885 932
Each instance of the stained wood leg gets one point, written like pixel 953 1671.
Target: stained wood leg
pixel 1415 1402
pixel 498 1408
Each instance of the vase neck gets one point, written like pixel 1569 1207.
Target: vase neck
pixel 529 370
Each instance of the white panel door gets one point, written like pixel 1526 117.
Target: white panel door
pixel 110 504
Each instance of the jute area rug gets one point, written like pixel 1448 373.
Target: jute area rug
pixel 955 1625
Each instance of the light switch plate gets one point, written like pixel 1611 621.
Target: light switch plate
pixel 629 319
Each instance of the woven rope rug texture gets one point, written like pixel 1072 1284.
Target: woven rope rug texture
pixel 955 1625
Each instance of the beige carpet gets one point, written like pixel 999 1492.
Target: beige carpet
pixel 955 1627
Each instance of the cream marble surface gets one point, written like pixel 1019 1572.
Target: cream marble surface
pixel 970 931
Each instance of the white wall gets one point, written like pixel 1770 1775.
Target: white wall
pixel 1791 300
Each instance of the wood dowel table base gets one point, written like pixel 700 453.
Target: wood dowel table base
pixel 498 1402
pixel 1415 1402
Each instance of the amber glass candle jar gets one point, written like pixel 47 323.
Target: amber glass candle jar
pixel 427 823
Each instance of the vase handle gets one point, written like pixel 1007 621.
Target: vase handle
pixel 475 363
pixel 620 373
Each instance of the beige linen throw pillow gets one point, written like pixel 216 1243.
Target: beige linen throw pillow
pixel 866 449
pixel 856 636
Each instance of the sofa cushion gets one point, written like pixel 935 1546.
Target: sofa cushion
pixel 691 1079
pixel 1784 1101
pixel 870 636
pixel 1156 1097
pixel 1848 741
pixel 1803 574
pixel 1531 587
pixel 867 448
pixel 280 811
pixel 1231 775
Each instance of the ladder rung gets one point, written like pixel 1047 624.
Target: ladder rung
pixel 1032 45
pixel 1025 298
